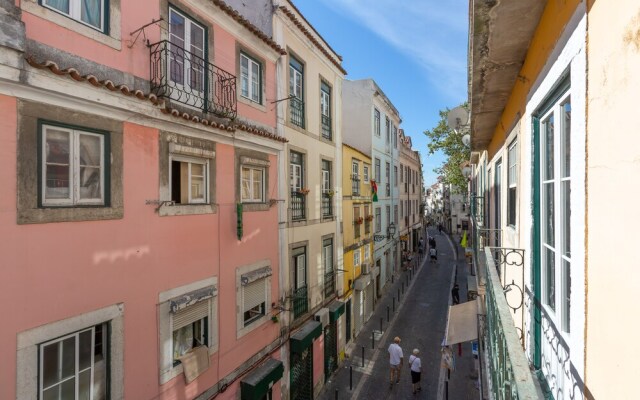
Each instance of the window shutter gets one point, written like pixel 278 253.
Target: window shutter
pixel 191 314
pixel 254 294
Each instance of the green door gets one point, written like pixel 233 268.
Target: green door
pixel 302 375
pixel 330 349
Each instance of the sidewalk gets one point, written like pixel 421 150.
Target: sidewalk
pixel 420 320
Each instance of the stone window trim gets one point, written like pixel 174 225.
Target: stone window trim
pixel 28 346
pixel 247 274
pixel 31 116
pixel 243 50
pixel 255 159
pixel 173 144
pixel 189 294
pixel 110 36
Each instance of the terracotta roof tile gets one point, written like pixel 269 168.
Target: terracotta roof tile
pixel 74 74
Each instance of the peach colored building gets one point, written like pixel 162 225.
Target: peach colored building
pixel 139 234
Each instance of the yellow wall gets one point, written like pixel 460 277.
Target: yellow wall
pixel 554 18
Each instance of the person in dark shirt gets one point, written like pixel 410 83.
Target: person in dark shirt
pixel 455 294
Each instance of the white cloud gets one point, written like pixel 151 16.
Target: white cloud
pixel 431 32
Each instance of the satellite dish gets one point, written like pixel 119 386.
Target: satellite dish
pixel 457 118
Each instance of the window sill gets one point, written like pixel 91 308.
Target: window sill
pixel 68 214
pixel 187 209
pixel 251 103
pixel 250 207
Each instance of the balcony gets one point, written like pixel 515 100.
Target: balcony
pixel 329 284
pixel 326 126
pixel 300 302
pixel 180 76
pixel 327 206
pixel 298 206
pixel 296 111
pixel 501 328
pixel 477 210
pixel 355 185
pixel 367 225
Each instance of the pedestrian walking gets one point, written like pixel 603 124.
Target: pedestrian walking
pixel 432 242
pixel 440 228
pixel 433 253
pixel 395 360
pixel 455 294
pixel 416 370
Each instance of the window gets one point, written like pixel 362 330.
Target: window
pixel 388 211
pixel 356 257
pixel 377 170
pixel 512 182
pixel 88 12
pixel 187 63
pixel 401 208
pixel 250 79
pixel 401 173
pixel 295 170
pixel 395 176
pixel 74 166
pixel 75 366
pixel 253 296
pixel 378 220
pixel 367 222
pixel 327 262
pixel 395 137
pixel 356 223
pixel 367 253
pixel 190 329
pixel 387 131
pixel 376 122
pixel 555 202
pixel 387 171
pixel 365 174
pixel 326 176
pixel 355 178
pixel 254 301
pixel 395 214
pixel 325 110
pixel 189 180
pixel 252 185
pixel 300 299
pixel 296 92
pixel 296 173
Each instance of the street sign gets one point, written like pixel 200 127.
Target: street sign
pixel 379 238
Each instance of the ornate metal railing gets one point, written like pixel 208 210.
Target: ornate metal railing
pixel 329 284
pixel 477 209
pixel 300 302
pixel 183 77
pixel 298 206
pixel 327 209
pixel 355 185
pixel 509 375
pixel 326 126
pixel 296 111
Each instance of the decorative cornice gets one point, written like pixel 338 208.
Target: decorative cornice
pixel 292 16
pixel 252 28
pixel 140 95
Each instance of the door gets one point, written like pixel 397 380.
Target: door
pixel 330 349
pixel 301 375
pixel 347 321
pixel 358 310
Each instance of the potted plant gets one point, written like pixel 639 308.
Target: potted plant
pixel 330 193
pixel 303 191
pixel 359 221
pixel 369 217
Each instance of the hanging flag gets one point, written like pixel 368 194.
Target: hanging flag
pixel 374 191
pixel 463 242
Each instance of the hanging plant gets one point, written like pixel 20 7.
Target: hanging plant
pixel 303 191
pixel 359 221
pixel 369 217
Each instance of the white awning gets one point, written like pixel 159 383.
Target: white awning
pixel 462 324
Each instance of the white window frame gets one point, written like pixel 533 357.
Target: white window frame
pixel 367 253
pixel 74 168
pixel 253 198
pixel 296 173
pixel 356 257
pixel 560 309
pixel 75 13
pixel 326 176
pixel 377 170
pixel 189 161
pixel 365 174
pixel 325 102
pixel 512 182
pixel 167 369
pixel 376 122
pixel 187 69
pixel 378 217
pixel 253 71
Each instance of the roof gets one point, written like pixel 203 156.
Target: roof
pixel 150 97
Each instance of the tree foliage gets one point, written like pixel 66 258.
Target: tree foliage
pixel 449 142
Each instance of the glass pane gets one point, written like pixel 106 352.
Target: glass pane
pixel 550 273
pixel 60 5
pixel 90 183
pixel 197 188
pixel 68 389
pixel 90 150
pixel 50 362
pixel 51 393
pixel 57 182
pixel 68 357
pixel 566 217
pixel 91 12
pixel 255 82
pixel 548 147
pixel 182 341
pixel 566 320
pixel 85 348
pixel 176 28
pixel 84 385
pixel 566 139
pixel 246 189
pixel 549 232
pixel 58 147
pixel 244 76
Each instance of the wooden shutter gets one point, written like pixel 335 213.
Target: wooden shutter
pixel 191 314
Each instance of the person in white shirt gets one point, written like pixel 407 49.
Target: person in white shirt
pixel 416 370
pixel 395 360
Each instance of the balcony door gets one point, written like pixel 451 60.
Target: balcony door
pixel 187 62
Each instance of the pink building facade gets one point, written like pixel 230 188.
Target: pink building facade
pixel 139 230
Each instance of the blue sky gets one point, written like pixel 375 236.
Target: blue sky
pixel 416 50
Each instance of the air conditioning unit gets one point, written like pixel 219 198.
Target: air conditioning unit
pixel 322 316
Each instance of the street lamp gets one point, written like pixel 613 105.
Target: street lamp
pixel 391 230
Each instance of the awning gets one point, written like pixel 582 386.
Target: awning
pixel 462 325
pixel 336 309
pixel 303 338
pixel 361 282
pixel 256 385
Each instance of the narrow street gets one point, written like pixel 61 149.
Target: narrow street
pixel 420 322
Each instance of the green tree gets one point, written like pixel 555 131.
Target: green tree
pixel 449 142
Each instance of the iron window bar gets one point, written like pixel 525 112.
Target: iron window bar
pixel 296 110
pixel 326 126
pixel 298 206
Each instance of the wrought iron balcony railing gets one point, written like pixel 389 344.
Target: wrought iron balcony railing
pixel 508 368
pixel 327 205
pixel 298 206
pixel 181 76
pixel 355 185
pixel 477 209
pixel 326 126
pixel 300 302
pixel 296 111
pixel 329 284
